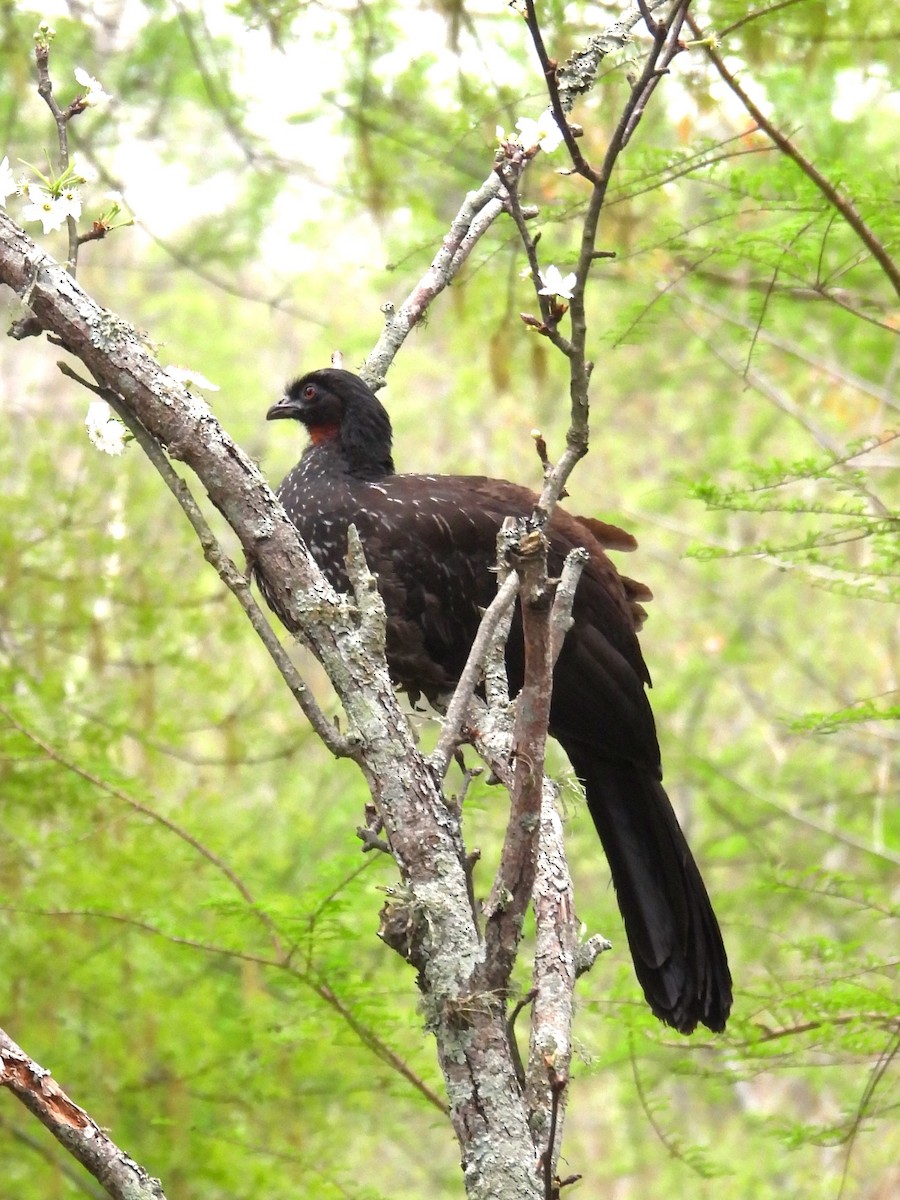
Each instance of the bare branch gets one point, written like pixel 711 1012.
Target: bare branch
pixel 61 117
pixel 514 882
pixel 578 73
pixel 478 212
pixel 836 198
pixel 78 1133
pixel 552 312
pixel 549 67
pixel 553 971
pixel 561 615
pixel 482 206
pixel 458 709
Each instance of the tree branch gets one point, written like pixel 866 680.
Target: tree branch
pixel 491 629
pixel 511 892
pixel 482 206
pixel 478 212
pixel 61 118
pixel 836 198
pixel 121 1177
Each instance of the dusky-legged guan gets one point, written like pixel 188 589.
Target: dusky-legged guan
pixel 431 542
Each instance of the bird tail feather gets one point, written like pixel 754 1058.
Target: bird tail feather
pixel 674 937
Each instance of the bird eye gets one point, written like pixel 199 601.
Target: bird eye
pixel 309 392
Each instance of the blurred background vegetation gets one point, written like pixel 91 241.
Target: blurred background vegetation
pixel 291 169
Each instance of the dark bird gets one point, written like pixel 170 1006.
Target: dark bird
pixel 431 542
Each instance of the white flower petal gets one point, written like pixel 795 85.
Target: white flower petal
pixel 45 208
pixel 94 93
pixel 529 133
pixel 551 137
pixel 105 432
pixel 83 170
pixel 8 185
pixel 557 284
pixel 70 203
pixel 543 133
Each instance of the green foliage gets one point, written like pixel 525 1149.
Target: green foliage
pixel 188 924
pixel 850 544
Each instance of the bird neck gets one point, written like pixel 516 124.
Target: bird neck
pixel 328 458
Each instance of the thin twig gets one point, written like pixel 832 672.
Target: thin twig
pixel 482 206
pixel 835 197
pixel 520 1004
pixel 563 86
pixel 478 211
pixel 458 708
pixel 564 598
pixel 551 311
pixel 61 117
pixel 549 68
pixel 167 823
pixel 578 74
pixel 557 1088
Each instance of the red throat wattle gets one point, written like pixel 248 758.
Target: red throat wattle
pixel 323 433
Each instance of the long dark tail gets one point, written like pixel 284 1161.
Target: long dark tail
pixel 672 931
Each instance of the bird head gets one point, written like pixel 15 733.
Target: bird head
pixel 341 411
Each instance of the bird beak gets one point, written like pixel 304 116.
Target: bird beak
pixel 286 407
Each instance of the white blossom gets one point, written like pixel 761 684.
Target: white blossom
pixel 106 433
pixel 69 202
pixel 47 209
pixel 94 93
pixel 8 185
pixel 557 284
pixel 191 379
pixel 544 132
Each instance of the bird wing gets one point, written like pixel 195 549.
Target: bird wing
pixel 431 542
